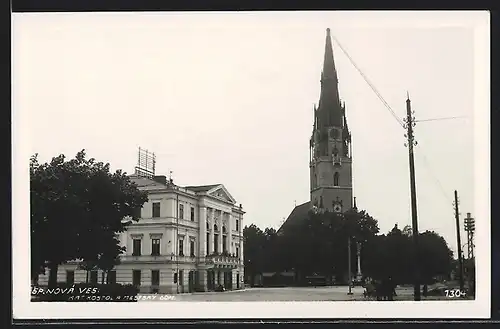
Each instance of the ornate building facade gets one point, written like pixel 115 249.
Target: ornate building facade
pixel 188 239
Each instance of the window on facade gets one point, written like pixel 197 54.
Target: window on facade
pixel 223 229
pixel 93 277
pixel 175 277
pixel 208 226
pixel 155 247
pixel 336 179
pixel 216 228
pixel 191 248
pixel 238 252
pixel 136 247
pixel 181 247
pixel 136 277
pixel 155 277
pixel 216 243
pixel 237 225
pixel 224 243
pixel 181 211
pixel 208 243
pixel 70 277
pixel 192 214
pixel 111 277
pixel 156 209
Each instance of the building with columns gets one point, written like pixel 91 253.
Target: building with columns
pixel 188 239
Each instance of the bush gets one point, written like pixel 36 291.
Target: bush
pixel 84 292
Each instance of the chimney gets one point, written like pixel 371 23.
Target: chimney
pixel 162 179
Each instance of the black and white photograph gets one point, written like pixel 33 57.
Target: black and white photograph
pixel 320 164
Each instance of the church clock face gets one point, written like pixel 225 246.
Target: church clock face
pixel 337 208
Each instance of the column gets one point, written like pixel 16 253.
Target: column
pixel 212 222
pixel 230 233
pixel 241 242
pixel 358 252
pixel 202 239
pixel 221 236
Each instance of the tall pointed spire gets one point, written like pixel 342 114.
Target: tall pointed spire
pixel 329 71
pixel 330 112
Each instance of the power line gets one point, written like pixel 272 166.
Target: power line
pixel 437 119
pixel 369 83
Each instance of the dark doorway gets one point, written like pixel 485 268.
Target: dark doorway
pixel 191 281
pixel 237 280
pixel 155 281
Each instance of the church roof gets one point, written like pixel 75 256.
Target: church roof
pixel 298 214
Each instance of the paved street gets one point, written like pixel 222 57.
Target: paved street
pixel 337 293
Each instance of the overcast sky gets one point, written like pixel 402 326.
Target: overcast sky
pixel 228 98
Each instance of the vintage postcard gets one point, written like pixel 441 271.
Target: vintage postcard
pixel 251 165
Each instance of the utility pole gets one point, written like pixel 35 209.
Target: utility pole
pixel 459 244
pixel 409 125
pixel 470 227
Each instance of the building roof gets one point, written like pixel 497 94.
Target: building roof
pixel 298 214
pixel 201 188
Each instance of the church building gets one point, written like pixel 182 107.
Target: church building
pixel 330 164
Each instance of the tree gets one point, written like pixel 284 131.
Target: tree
pixel 253 239
pixel 393 255
pixel 77 207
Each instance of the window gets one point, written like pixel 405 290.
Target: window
pixel 70 277
pixel 175 277
pixel 336 179
pixel 111 277
pixel 93 277
pixel 181 247
pixel 181 211
pixel 156 209
pixel 216 243
pixel 208 226
pixel 137 247
pixel 238 252
pixel 155 247
pixel 224 229
pixel 191 248
pixel 208 243
pixel 216 228
pixel 192 214
pixel 237 225
pixel 136 277
pixel 224 245
pixel 155 277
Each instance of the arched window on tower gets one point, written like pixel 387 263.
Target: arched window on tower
pixel 336 179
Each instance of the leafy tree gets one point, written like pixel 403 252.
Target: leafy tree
pixel 77 207
pixel 253 239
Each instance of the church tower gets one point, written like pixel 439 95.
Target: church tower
pixel 330 144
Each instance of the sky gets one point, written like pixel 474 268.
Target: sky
pixel 228 98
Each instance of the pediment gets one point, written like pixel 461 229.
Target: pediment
pixel 221 193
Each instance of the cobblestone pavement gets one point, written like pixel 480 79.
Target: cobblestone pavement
pixel 336 293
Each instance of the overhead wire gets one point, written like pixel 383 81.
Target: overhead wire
pixel 388 107
pixel 401 123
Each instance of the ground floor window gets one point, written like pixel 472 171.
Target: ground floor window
pixel 70 277
pixel 111 277
pixel 136 277
pixel 93 277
